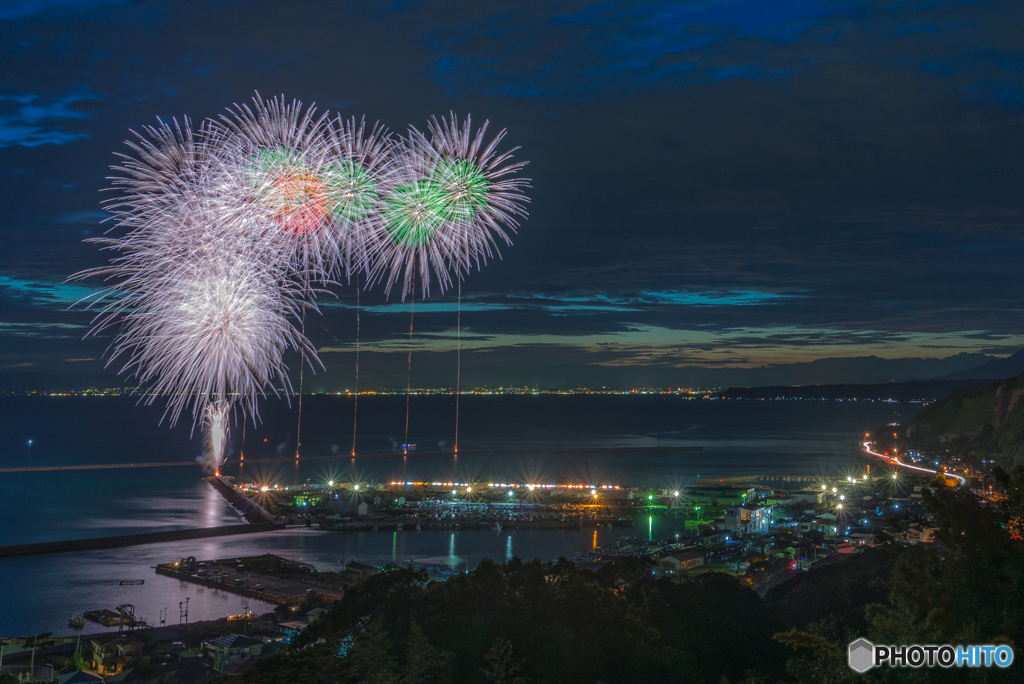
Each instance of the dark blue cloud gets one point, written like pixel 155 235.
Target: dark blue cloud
pixel 28 120
pixel 716 182
pixel 17 9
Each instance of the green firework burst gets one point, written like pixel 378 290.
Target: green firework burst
pixel 351 190
pixel 414 211
pixel 464 186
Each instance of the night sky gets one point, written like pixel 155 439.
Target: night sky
pixel 725 192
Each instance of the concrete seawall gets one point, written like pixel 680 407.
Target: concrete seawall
pixel 96 543
pixel 249 510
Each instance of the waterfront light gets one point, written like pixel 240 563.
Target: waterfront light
pixel 357 488
pixel 895 475
pixel 839 506
pixel 677 493
pixel 842 497
pixel 331 483
pixel 834 490
pixel 824 486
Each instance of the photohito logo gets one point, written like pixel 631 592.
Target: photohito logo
pixel 864 655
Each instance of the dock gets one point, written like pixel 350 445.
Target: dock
pixel 268 578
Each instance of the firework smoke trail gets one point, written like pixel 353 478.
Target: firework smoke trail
pixel 215 420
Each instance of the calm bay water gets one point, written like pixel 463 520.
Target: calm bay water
pixel 37 594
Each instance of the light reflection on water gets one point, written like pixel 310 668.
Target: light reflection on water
pixel 39 593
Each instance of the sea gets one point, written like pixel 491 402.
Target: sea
pixel 584 439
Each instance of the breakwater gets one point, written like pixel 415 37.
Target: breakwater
pixel 249 509
pixel 98 543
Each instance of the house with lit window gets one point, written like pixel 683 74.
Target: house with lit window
pixel 685 560
pixel 111 653
pixel 230 648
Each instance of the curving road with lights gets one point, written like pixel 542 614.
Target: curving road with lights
pixel 897 462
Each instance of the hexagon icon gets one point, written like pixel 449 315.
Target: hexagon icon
pixel 862 655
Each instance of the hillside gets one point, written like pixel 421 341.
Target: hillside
pixel 987 421
pixel 996 369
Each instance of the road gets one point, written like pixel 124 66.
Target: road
pixel 897 462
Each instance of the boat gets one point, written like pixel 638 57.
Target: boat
pixel 76 621
pixel 418 527
pixel 107 618
pixel 399 528
pixel 496 527
pixel 408 447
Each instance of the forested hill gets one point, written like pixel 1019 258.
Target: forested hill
pixel 987 420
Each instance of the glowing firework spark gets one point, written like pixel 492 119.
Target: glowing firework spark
pixel 453 195
pixel 310 184
pixel 204 299
pixel 483 194
pixel 224 230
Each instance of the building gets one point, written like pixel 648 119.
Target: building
pixel 921 534
pixel 350 507
pixel 755 517
pixel 810 496
pixel 79 677
pixel 230 648
pixel 112 653
pixel 686 560
pixel 719 495
pixel 313 615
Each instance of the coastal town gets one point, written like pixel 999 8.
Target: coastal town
pixel 760 530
